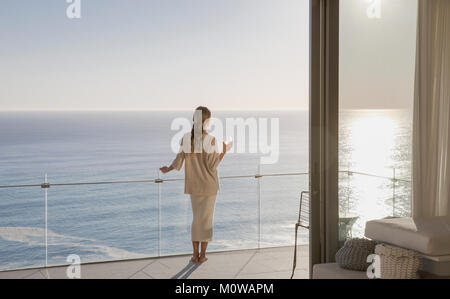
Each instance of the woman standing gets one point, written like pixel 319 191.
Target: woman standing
pixel 199 152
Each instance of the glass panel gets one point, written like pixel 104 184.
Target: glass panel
pixel 401 200
pixel 175 219
pixel 363 198
pixel 22 225
pixel 280 208
pixel 377 66
pixel 102 222
pixel 236 215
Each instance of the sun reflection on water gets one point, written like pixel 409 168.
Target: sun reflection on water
pixel 374 142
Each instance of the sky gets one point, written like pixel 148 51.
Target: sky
pixel 377 55
pixel 154 55
pixel 179 54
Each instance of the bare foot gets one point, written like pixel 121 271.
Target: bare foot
pixel 195 258
pixel 202 258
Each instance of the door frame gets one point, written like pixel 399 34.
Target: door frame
pixel 324 126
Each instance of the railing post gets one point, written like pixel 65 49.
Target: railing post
pixel 159 182
pixel 393 193
pixel 258 177
pixel 348 188
pixel 45 186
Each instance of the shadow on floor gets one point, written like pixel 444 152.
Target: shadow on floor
pixel 186 271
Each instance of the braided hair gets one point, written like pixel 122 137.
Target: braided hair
pixel 205 115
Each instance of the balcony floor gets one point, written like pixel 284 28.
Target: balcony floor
pixel 268 263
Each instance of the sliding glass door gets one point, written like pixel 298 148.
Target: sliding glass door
pixel 376 90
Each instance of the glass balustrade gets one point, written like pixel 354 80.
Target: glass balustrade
pixel 117 220
pixel 364 197
pixel 22 227
pixel 101 222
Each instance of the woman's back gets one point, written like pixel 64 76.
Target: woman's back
pixel 201 175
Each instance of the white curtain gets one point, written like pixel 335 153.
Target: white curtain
pixel 431 141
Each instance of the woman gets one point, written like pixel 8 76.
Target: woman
pixel 199 153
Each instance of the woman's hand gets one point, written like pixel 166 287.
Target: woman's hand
pixel 166 169
pixel 226 146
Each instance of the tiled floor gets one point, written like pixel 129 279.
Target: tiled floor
pixel 245 264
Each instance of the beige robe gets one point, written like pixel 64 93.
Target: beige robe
pixel 201 176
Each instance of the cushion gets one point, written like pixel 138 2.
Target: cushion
pixel 353 256
pixel 428 235
pixel 333 271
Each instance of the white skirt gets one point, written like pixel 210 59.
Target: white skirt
pixel 203 212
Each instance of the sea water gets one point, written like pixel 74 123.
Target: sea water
pixel 119 221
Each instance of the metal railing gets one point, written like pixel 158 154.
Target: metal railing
pixel 156 181
pixel 160 181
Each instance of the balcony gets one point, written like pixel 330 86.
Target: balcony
pixel 107 221
pixel 141 229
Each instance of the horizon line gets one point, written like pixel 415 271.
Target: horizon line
pixel 144 110
pixel 189 110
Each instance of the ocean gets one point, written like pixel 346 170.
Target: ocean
pixel 121 221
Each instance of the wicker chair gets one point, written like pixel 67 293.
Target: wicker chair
pixel 303 221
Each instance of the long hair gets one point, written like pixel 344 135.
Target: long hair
pixel 198 126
